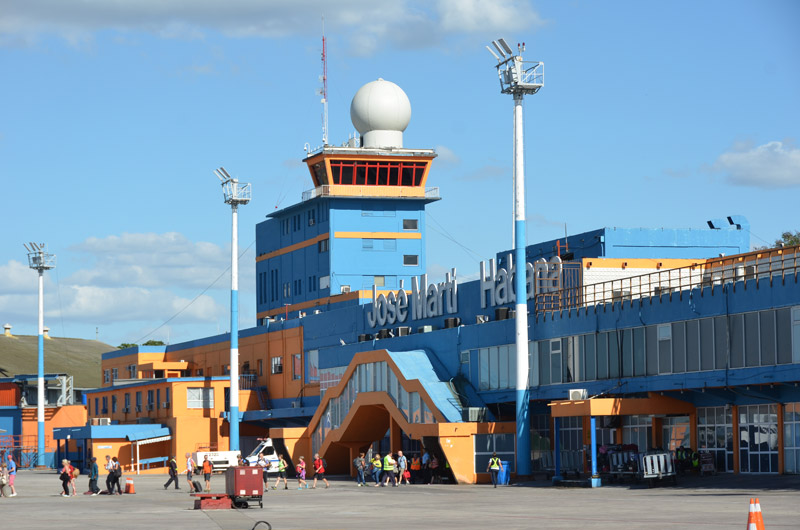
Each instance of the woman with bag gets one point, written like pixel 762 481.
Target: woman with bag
pixel 301 474
pixel 66 476
pixel 116 476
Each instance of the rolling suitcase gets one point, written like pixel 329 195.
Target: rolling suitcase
pixel 198 488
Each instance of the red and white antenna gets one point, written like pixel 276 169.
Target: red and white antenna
pixel 324 89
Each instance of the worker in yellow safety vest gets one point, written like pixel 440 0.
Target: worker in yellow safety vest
pixel 495 467
pixel 388 470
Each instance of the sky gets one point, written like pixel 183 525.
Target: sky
pixel 114 115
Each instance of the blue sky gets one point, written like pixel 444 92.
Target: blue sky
pixel 114 115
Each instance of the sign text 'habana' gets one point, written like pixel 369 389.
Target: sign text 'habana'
pixel 436 299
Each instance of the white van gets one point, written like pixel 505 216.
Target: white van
pixel 270 455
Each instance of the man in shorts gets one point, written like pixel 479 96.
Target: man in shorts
pixel 281 473
pixel 208 468
pixel 319 471
pixel 12 474
pixel 189 470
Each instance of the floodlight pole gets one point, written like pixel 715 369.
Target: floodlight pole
pixel 40 261
pixel 518 81
pixel 235 194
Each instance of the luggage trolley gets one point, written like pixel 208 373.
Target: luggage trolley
pixel 244 485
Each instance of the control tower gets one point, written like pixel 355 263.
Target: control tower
pixel 362 224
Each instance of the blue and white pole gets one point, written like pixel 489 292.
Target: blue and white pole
pixel 523 419
pixel 234 392
pixel 40 461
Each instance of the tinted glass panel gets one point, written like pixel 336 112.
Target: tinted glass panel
pixel 737 341
pixel 768 356
pixel 751 339
pixel 678 347
pixel 544 362
pixel 692 346
pixel 638 352
pixel 720 343
pixel 652 349
pixel 707 344
pixel 613 354
pixel 602 356
pixel 784 327
pixel 590 357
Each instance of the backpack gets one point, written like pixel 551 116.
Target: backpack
pixel 356 463
pixel 324 464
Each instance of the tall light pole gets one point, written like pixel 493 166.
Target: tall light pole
pixel 518 79
pixel 40 261
pixel 235 194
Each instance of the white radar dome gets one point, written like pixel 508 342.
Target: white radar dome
pixel 380 111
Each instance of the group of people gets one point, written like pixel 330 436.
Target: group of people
pixel 69 475
pixel 394 469
pixel 8 473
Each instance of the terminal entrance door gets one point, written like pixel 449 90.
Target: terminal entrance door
pixel 758 439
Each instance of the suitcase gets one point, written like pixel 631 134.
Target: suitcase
pixel 198 488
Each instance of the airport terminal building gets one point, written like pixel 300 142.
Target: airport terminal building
pixel 666 337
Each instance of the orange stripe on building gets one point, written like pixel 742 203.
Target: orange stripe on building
pixel 292 248
pixel 377 235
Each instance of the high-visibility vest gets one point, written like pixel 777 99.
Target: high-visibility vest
pixel 415 466
pixel 494 463
pixel 387 463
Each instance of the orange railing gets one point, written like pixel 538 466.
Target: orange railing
pixel 761 265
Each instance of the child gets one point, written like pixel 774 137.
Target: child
pixel 301 474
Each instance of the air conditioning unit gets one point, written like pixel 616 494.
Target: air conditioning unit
pixel 103 421
pixel 481 319
pixel 345 289
pixel 402 331
pixel 452 322
pixel 138 408
pixel 477 414
pixel 424 329
pixel 364 337
pixel 150 406
pixel 295 404
pixel 317 311
pixel 277 369
pixel 501 313
pixel 384 333
pixel 311 222
pixel 165 405
pixel 126 409
pixel 578 394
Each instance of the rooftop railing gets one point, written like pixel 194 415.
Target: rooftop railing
pixel 762 265
pixel 351 190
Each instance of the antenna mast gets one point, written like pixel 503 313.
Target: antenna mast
pixel 324 90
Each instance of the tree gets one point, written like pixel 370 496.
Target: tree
pixel 125 345
pixel 787 239
pixel 154 343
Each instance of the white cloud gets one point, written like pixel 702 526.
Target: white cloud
pixel 481 16
pixel 772 165
pixel 446 156
pixel 18 278
pixel 368 23
pixel 151 261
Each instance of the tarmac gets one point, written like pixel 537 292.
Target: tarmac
pixel 715 502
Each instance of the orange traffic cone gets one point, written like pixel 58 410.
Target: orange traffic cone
pixel 752 523
pixel 759 516
pixel 129 486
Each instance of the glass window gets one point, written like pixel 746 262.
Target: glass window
pixel 312 365
pixel 277 365
pixel 768 352
pixel 706 344
pixel 503 364
pixel 737 341
pixel 590 357
pixel 555 361
pixel 693 346
pixel 721 342
pixel 533 363
pixel 483 355
pixel 200 398
pixel 787 352
pixel 665 349
pixel 613 354
pixel 639 352
pixel 494 368
pixel 544 362
pixel 411 260
pixel 415 408
pixel 627 352
pixel 678 347
pixel 410 224
pixel 297 367
pixel 751 340
pixel 602 356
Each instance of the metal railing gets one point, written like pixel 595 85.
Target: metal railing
pixel 714 273
pixel 354 190
pixel 248 381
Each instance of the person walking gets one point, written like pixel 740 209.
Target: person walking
pixel 264 465
pixel 360 464
pixel 173 473
pixel 377 468
pixel 402 469
pixel 319 471
pixel 116 474
pixel 208 468
pixel 388 470
pixel 282 465
pixel 66 476
pixel 426 470
pixel 301 473
pixel 110 477
pixel 12 474
pixel 3 479
pixel 94 474
pixel 190 464
pixel 495 466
